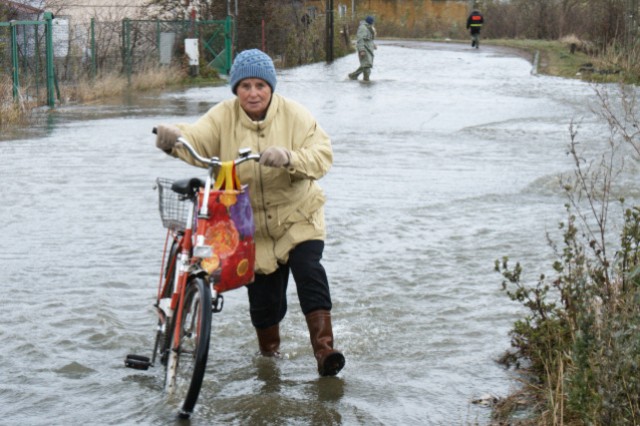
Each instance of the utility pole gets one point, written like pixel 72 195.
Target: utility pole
pixel 329 47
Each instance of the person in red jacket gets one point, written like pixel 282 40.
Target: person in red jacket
pixel 474 25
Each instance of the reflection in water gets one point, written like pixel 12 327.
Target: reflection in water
pixel 330 389
pixel 268 372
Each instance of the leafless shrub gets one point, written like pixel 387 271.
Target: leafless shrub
pixel 579 341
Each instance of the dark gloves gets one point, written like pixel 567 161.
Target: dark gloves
pixel 167 135
pixel 275 156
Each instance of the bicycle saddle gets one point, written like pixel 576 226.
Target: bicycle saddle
pixel 187 186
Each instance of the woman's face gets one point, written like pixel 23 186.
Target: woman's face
pixel 254 95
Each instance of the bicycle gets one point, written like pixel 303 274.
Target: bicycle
pixel 189 290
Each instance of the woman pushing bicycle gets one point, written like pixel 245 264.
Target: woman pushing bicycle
pixel 287 202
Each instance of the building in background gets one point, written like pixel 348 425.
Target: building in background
pixel 12 10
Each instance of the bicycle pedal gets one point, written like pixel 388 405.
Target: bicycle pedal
pixel 137 362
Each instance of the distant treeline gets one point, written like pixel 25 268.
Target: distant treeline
pixel 600 22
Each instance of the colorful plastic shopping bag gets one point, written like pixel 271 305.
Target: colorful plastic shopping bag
pixel 229 230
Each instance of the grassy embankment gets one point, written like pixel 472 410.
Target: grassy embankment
pixel 555 58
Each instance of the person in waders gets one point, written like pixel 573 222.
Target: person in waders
pixel 365 47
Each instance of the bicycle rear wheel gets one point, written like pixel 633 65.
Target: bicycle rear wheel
pixel 187 364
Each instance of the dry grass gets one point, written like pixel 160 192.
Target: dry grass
pixel 114 85
pixel 13 112
pixel 625 62
pixel 572 41
pixel 157 78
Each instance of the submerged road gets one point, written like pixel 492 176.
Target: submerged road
pixel 447 160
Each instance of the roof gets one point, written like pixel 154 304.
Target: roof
pixel 19 7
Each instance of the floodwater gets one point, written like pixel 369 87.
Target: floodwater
pixel 446 161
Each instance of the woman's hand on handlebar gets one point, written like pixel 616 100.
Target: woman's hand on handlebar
pixel 274 156
pixel 167 137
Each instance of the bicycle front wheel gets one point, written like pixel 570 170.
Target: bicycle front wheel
pixel 165 325
pixel 188 359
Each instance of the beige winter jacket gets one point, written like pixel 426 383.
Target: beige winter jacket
pixel 287 202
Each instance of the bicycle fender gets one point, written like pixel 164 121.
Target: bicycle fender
pixel 197 271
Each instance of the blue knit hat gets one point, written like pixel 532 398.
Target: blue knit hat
pixel 369 20
pixel 252 63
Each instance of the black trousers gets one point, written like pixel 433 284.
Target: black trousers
pixel 268 293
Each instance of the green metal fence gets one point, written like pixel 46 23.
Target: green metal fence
pixel 30 50
pixel 37 58
pixel 131 46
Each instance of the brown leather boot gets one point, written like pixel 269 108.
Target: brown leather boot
pixel 330 361
pixel 269 340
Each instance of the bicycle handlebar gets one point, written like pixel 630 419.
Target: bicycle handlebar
pixel 244 154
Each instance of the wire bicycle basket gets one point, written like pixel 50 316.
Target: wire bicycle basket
pixel 174 209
